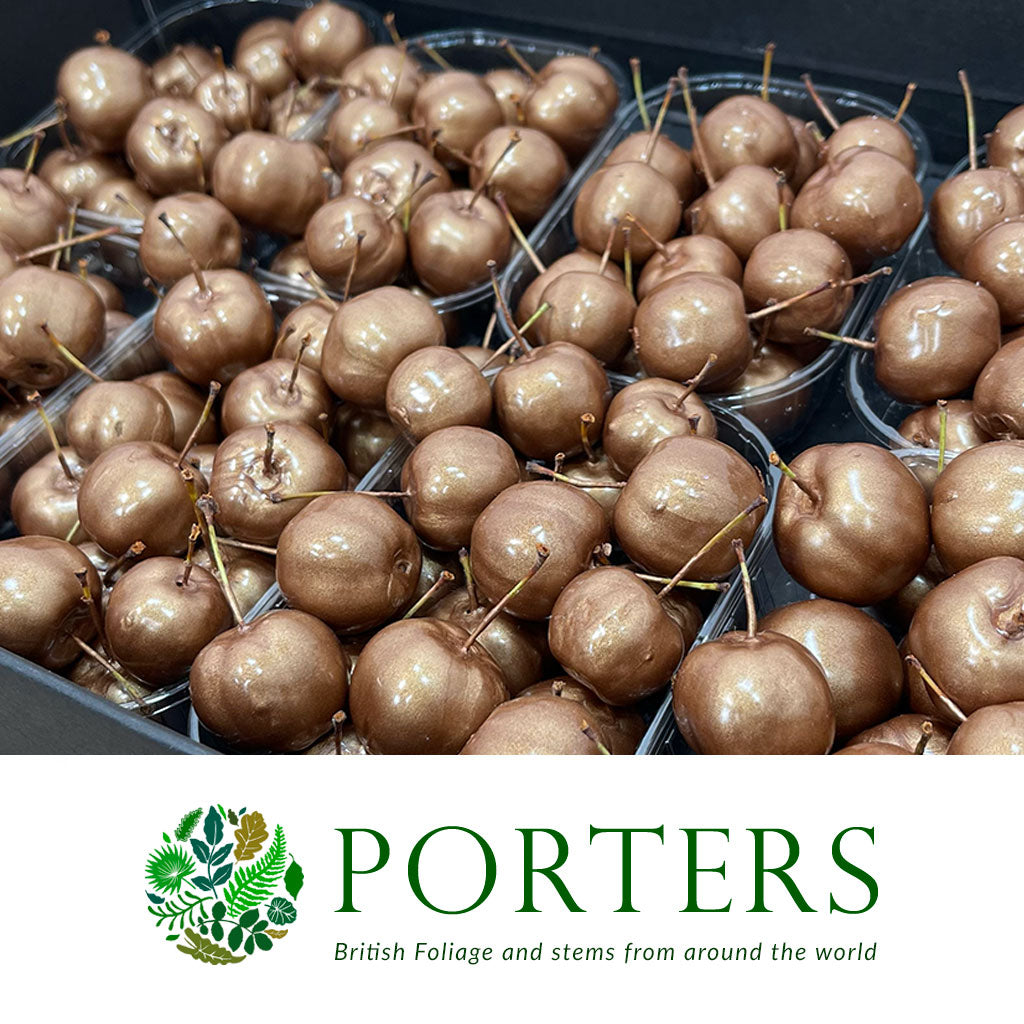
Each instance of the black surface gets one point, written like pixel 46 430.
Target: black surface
pixel 872 46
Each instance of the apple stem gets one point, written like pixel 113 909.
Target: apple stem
pixel 62 128
pixel 791 301
pixel 268 451
pixel 208 507
pixel 927 731
pixel 766 72
pixel 905 102
pixel 324 428
pixel 690 584
pixel 310 278
pixel 62 241
pixel 819 102
pixel 443 580
pixel 542 556
pixel 200 423
pixel 513 140
pixel 186 569
pixel 691 114
pixel 30 160
pixel 303 345
pixel 937 690
pixel 188 477
pixel 710 543
pixel 517 231
pixel 405 129
pixel 389 24
pixel 192 261
pixel 559 461
pixel 82 575
pixel 627 258
pixel 492 269
pixel 74 529
pixel 467 572
pixel 516 339
pixel 69 355
pixel 943 422
pixel 748 589
pixel 588 731
pixel 353 263
pixel 133 552
pixel 776 461
pixel 595 485
pixel 587 420
pixel 197 157
pixel 659 121
pixel 864 278
pixel 780 188
pixel 393 88
pixel 122 198
pixel 36 400
pixel 434 56
pixel 638 92
pixel 828 336
pixel 134 691
pixel 293 91
pixel 972 130
pixel 694 382
pixel 230 542
pixel 659 246
pixel 485 341
pixel 337 724
pixel 34 129
pixel 519 59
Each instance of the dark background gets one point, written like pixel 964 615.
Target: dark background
pixel 866 45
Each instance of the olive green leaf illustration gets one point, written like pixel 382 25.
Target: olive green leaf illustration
pixel 207 950
pixel 251 836
pixel 293 878
pixel 232 817
pixel 168 867
pixel 254 883
pixel 281 911
pixel 188 824
pixel 213 827
pixel 277 933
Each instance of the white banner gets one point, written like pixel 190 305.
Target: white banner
pixel 100 853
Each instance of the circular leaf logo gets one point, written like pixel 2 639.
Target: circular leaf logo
pixel 223 885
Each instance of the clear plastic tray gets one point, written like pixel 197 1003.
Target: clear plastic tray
pixel 879 413
pixel 773 588
pixel 477 50
pixel 733 429
pixel 134 353
pixel 780 409
pixel 208 23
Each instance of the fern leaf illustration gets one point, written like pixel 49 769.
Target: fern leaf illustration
pixel 254 883
pixel 186 908
pixel 187 825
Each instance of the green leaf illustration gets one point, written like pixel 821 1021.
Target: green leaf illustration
pixel 202 883
pixel 221 855
pixel 218 910
pixel 263 940
pixel 249 918
pixel 213 827
pixel 251 835
pixel 153 898
pixel 167 838
pixel 223 813
pixel 217 931
pixel 254 883
pixel 171 938
pixel 259 926
pixel 281 911
pixel 188 824
pixel 277 933
pixel 201 850
pixel 294 879
pixel 188 906
pixel 235 937
pixel 250 945
pixel 222 874
pixel 168 867
pixel 207 951
pixel 232 817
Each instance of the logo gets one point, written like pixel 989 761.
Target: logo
pixel 223 899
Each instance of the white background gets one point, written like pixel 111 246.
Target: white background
pixel 77 942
